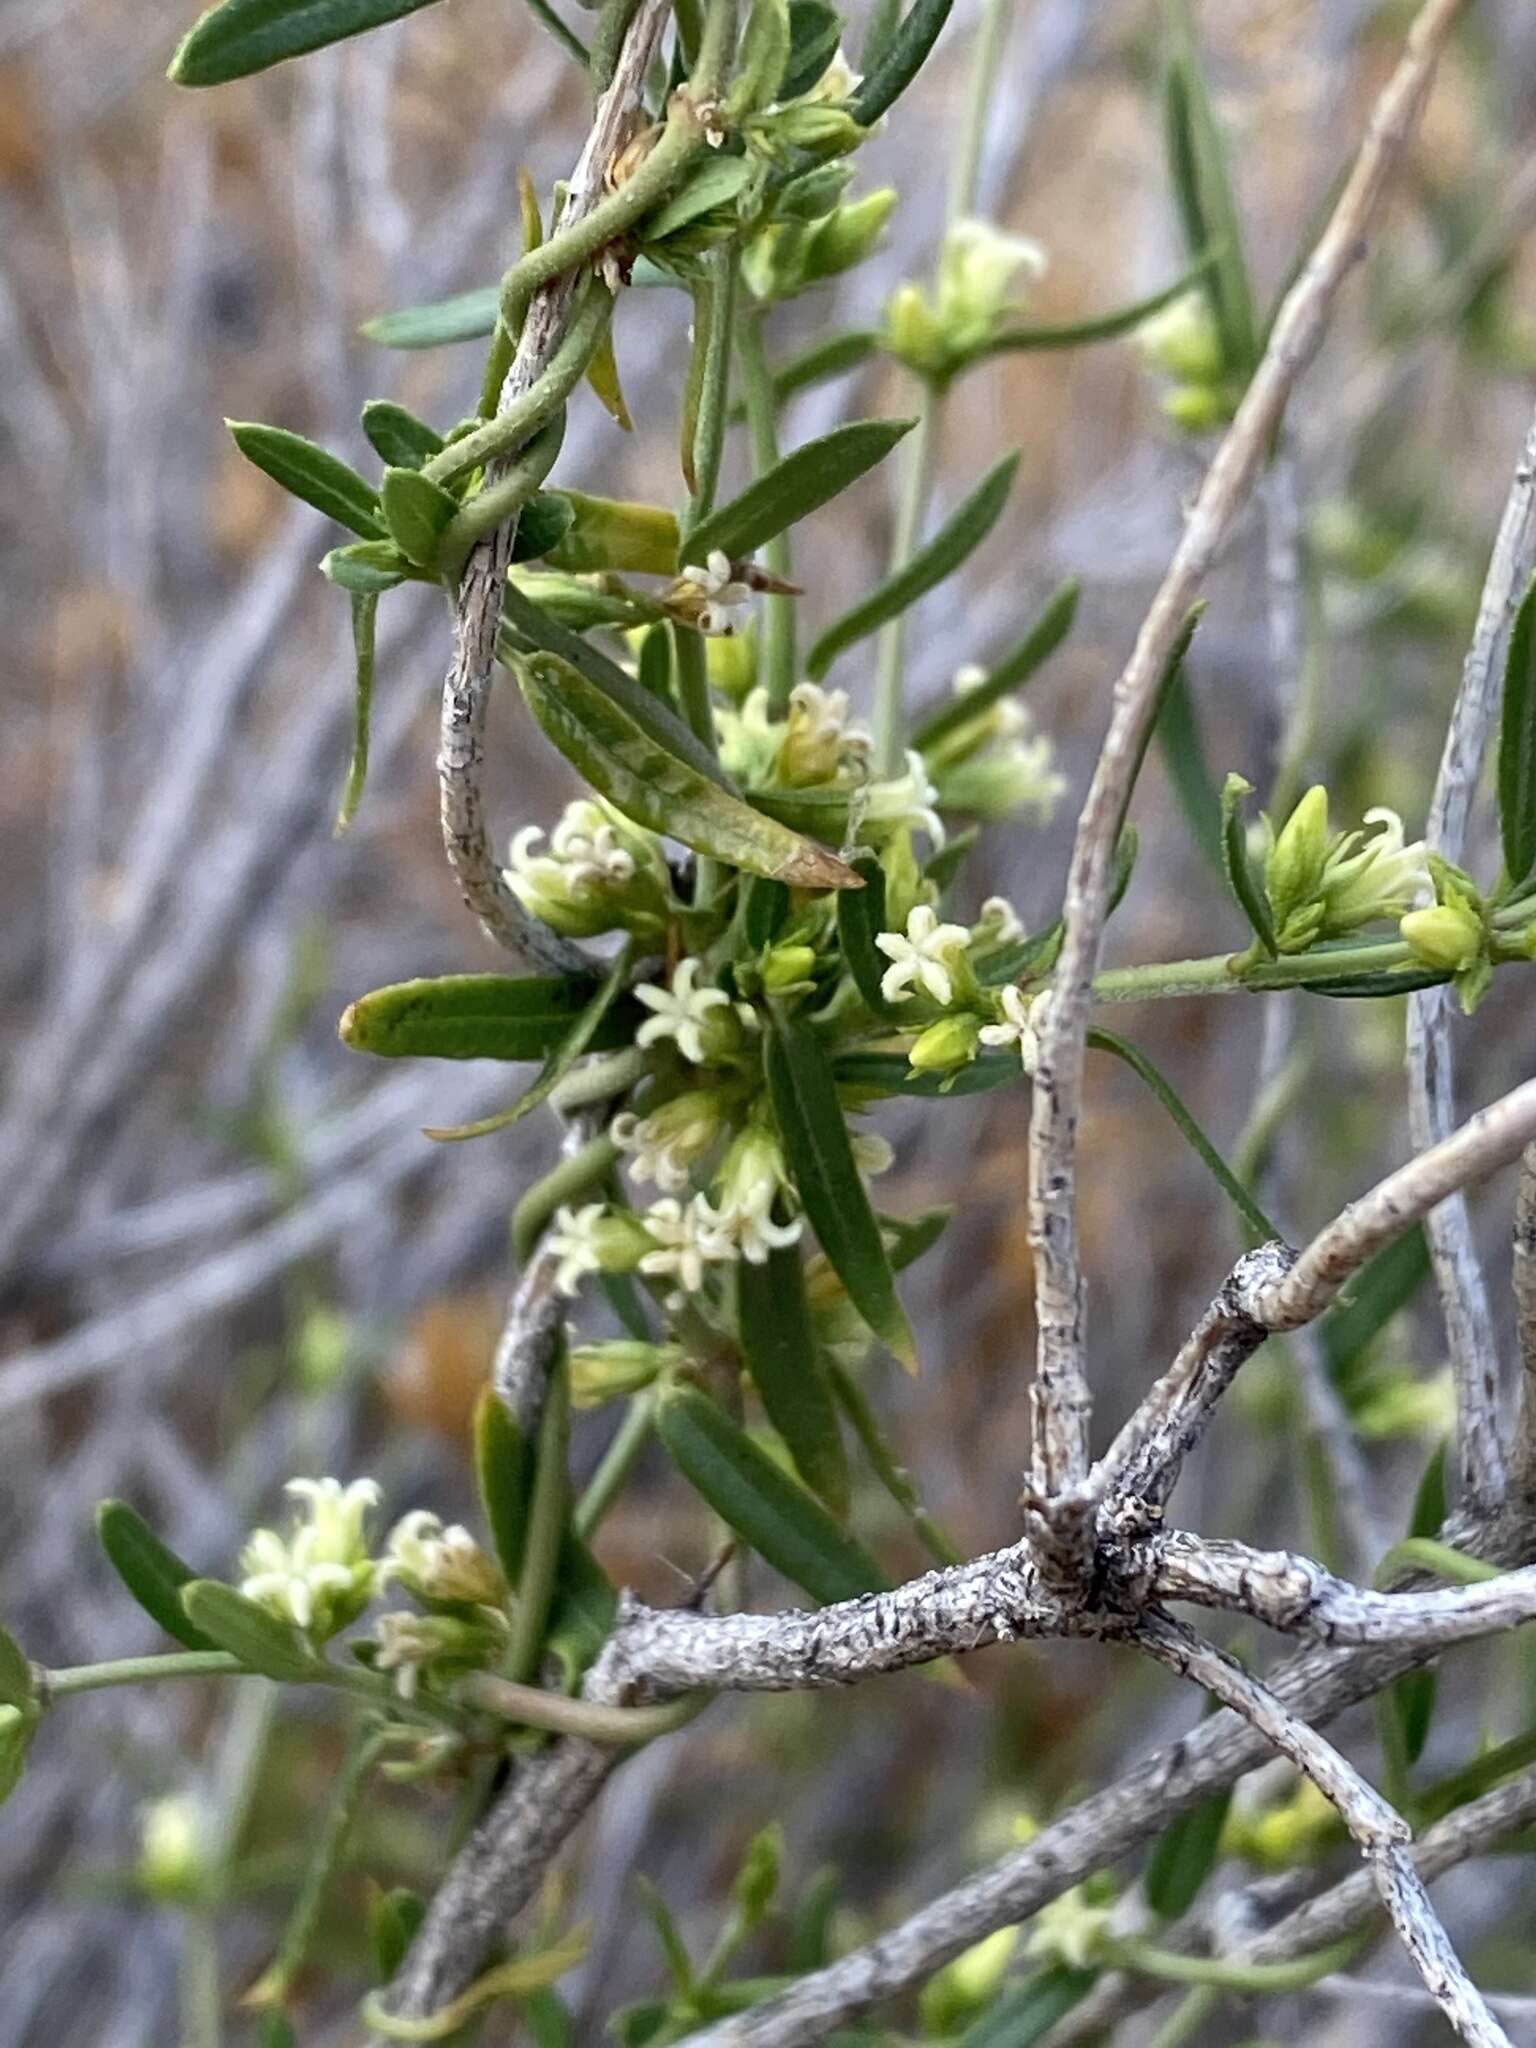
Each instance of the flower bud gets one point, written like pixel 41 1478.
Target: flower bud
pixel 172 1859
pixel 437 1563
pixel 607 1372
pixel 816 127
pixel 949 1044
pixel 1293 868
pixel 1197 408
pixel 730 660
pixel 1183 340
pixel 1446 936
pixel 788 967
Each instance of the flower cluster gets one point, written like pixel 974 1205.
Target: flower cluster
pixel 320 1576
pixel 938 961
pixel 601 873
pixel 1183 341
pixel 1324 885
pixel 980 284
pixel 995 766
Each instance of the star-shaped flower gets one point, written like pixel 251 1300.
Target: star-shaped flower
pixel 924 959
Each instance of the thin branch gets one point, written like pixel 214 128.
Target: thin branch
pixel 1485 1142
pixel 1061 1399
pixel 1344 1909
pixel 1377 1827
pixel 1523 1276
pixel 477 615
pixel 1469 1329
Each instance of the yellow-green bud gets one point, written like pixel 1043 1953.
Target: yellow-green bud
pixel 764 52
pixel 786 967
pixel 605 1372
pixel 964 1986
pixel 1197 408
pixel 1293 869
pixel 912 333
pixel 1446 936
pixel 1183 340
pixel 171 1858
pixel 950 1043
pixel 730 659
pixel 817 128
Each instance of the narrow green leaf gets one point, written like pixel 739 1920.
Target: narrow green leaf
pixel 764 909
pixel 779 1345
pixel 815 31
pixel 1168 1096
pixel 397 436
pixel 1245 885
pixel 504 1476
pixel 635 755
pixel 860 916
pixel 479 1017
pixel 152 1572
pixel 1010 674
pixel 581 1614
pixel 542 525
pixel 313 474
pixel 577 1040
pixel 887 1467
pixel 718 181
pixel 1203 190
pixel 1372 987
pixel 16 1732
pixel 804 480
pixel 262 1643
pixel 1184 1855
pixel 1026 2015
pixel 364 610
pixel 1101 326
pixel 887 1073
pixel 1410 1700
pixel 765 1507
pixel 815 1133
pixel 549 1508
pixel 366 568
pixel 960 535
pixel 417 512
pixel 393 1918
pixel 469 316
pixel 1388 1283
pixel 1517 746
pixel 899 60
pixel 16 1687
pixel 1183 751
pixel 674 1949
pixel 603 382
pixel 241 36
pixel 612 534
pixel 1127 847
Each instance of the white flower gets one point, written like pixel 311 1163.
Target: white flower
pixel 1007 774
pixel 439 1563
pixel 724 603
pixel 575 1239
pixel 665 1144
pixel 872 1154
pixel 320 1576
pixel 999 923
pixel 1372 875
pixel 600 871
pixel 820 740
pixel 747 1227
pixel 904 801
pixel 1016 1027
pixel 683 1014
pixel 838 82
pixel 685 1239
pixel 924 959
pixel 407 1644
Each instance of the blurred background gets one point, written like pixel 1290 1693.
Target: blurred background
pixel 228 1253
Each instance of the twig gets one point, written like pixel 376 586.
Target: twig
pixel 1061 1399
pixel 1463 1292
pixel 1485 1142
pixel 1344 1909
pixel 467 686
pixel 1523 1277
pixel 1377 1827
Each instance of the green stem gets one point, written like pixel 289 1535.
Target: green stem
pixel 1215 975
pixel 1187 2017
pixel 56 1685
pixel 548 1511
pixel 652 181
pixel 691 670
pixel 717 46
pixel 714 388
pixel 571 1177
pixel 918 455
pixel 1233 1974
pixel 202 2023
pixel 525 415
pixel 531 1707
pixel 615 1466
pixel 298 1934
pixel 777 659
pixel 503 499
pixel 598 1080
pixel 986 65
